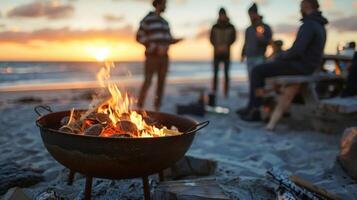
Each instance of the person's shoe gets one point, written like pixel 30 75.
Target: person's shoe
pixel 252 116
pixel 242 111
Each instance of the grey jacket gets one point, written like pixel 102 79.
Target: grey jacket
pixel 307 51
pixel 254 46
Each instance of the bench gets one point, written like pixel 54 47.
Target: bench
pixel 289 86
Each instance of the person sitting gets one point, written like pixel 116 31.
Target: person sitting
pixel 303 58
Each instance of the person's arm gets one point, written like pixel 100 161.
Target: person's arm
pixel 233 36
pixel 141 36
pixel 243 54
pixel 211 38
pixel 303 39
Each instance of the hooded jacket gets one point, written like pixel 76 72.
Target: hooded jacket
pixel 306 54
pixel 254 46
pixel 223 33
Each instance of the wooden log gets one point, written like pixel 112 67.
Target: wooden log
pixel 313 188
pixel 189 189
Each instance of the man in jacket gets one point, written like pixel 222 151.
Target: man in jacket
pixel 257 38
pixel 303 58
pixel 154 34
pixel 223 35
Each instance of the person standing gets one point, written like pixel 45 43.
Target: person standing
pixel 303 58
pixel 154 33
pixel 257 38
pixel 223 35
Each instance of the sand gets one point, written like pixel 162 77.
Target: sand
pixel 242 149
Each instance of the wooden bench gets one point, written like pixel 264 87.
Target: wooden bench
pixel 289 87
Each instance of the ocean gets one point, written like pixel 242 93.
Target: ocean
pixel 27 74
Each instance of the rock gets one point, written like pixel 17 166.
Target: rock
pixel 16 193
pixel 190 166
pixel 94 130
pixel 189 189
pixel 348 152
pixel 125 126
pixel 12 175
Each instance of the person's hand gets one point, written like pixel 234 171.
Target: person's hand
pixel 177 40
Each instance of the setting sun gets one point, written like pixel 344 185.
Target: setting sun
pixel 99 53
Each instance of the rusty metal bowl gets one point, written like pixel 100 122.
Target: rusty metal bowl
pixel 117 158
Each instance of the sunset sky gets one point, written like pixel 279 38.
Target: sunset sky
pixel 81 30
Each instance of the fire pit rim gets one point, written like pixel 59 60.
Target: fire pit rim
pixel 41 126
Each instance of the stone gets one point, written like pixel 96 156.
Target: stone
pixel 348 152
pixel 190 166
pixel 189 189
pixel 12 175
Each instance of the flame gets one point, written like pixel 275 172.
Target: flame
pixel 118 107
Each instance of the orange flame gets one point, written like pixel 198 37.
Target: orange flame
pixel 118 108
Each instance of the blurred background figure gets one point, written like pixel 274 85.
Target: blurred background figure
pixel 154 33
pixel 351 84
pixel 257 38
pixel 347 50
pixel 277 46
pixel 223 35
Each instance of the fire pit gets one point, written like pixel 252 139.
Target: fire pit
pixel 117 158
pixel 110 140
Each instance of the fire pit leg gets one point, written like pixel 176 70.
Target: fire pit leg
pixel 70 177
pixel 146 188
pixel 88 188
pixel 161 176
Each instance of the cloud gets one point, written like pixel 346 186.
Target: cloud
pixel 48 9
pixel 285 28
pixel 327 4
pixel 336 13
pixel 65 35
pixel 203 33
pixel 113 18
pixel 345 23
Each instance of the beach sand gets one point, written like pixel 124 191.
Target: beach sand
pixel 243 150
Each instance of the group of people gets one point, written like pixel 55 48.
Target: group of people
pixel 303 58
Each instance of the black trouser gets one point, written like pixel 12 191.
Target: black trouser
pixel 217 61
pixel 159 65
pixel 266 70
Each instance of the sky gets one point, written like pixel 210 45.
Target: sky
pixel 86 30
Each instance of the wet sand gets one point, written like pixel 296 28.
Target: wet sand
pixel 242 149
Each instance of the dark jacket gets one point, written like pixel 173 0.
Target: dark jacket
pixel 254 46
pixel 223 33
pixel 307 51
pixel 154 33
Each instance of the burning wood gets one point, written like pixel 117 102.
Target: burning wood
pixel 113 117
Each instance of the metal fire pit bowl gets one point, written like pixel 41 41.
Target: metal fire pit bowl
pixel 116 158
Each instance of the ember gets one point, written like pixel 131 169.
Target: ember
pixel 113 117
